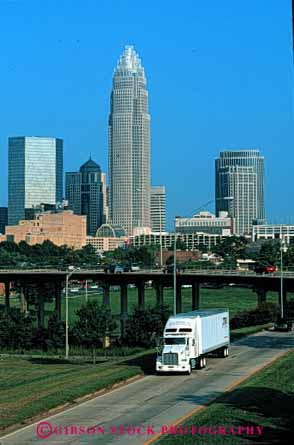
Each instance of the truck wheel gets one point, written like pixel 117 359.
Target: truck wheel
pixel 225 352
pixel 200 363
pixel 189 370
pixel 204 362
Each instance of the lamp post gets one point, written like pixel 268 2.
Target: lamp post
pixel 68 275
pixel 175 273
pixel 160 228
pixel 283 249
pixel 86 292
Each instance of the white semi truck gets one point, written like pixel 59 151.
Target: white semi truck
pixel 189 337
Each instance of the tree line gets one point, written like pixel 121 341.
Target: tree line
pixel 94 322
pixel 47 254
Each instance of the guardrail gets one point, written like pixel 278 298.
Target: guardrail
pixel 209 272
pixel 237 273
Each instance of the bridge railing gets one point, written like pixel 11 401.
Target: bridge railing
pixel 209 272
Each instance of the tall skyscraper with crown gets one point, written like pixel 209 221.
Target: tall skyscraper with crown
pixel 129 144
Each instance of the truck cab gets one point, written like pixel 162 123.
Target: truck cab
pixel 177 346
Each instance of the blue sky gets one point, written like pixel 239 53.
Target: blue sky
pixel 219 74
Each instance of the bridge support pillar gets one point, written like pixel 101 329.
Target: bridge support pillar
pixel 159 294
pixel 106 294
pixel 7 295
pixel 261 296
pixel 23 299
pixel 57 292
pixel 123 308
pixel 195 296
pixel 141 294
pixel 179 298
pixel 41 318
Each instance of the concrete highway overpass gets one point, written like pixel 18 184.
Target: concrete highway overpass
pixel 261 284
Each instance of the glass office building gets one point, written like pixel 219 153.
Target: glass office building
pixel 239 188
pixel 35 174
pixel 129 145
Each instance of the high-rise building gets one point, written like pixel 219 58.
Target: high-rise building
pixel 105 200
pixel 239 187
pixel 83 190
pixel 129 144
pixel 3 218
pixel 158 208
pixel 35 174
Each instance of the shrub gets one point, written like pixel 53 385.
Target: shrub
pixel 289 310
pixel 16 330
pixel 145 325
pixel 263 314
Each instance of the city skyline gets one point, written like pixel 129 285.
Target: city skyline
pixel 233 92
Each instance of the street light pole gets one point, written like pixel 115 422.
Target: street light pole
pixel 68 275
pixel 282 249
pixel 160 228
pixel 66 317
pixel 175 273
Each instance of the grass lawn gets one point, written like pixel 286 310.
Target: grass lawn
pixel 265 399
pixel 237 334
pixel 30 386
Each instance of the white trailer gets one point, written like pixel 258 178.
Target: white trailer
pixel 189 337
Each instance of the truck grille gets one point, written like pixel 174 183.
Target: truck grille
pixel 170 358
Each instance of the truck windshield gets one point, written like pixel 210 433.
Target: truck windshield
pixel 175 341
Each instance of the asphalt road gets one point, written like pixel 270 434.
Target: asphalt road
pixel 153 401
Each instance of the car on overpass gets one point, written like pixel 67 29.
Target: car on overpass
pixel 264 269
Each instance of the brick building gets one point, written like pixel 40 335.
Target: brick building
pixel 59 227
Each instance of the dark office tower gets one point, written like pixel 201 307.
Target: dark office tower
pixel 239 187
pixel 83 190
pixel 35 174
pixel 129 145
pixel 3 219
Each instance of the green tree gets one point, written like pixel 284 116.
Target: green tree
pixel 94 322
pixel 16 330
pixel 144 255
pixel 229 263
pixel 127 256
pixel 88 255
pixel 144 325
pixel 289 257
pixel 269 253
pixel 233 246
pixel 56 332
